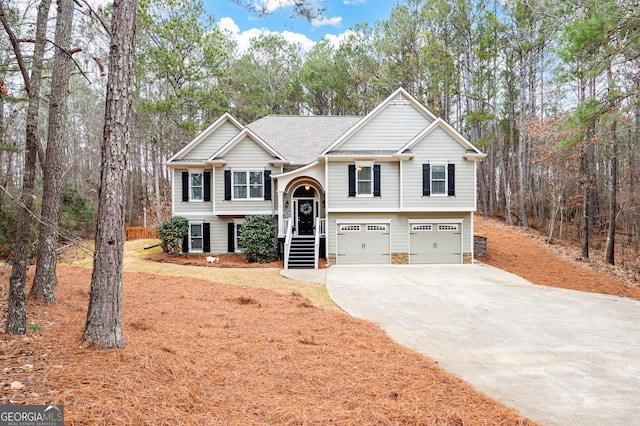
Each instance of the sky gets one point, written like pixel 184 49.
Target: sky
pixel 338 18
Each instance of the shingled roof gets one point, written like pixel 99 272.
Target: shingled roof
pixel 300 139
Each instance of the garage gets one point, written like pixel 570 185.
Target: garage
pixel 363 243
pixel 435 243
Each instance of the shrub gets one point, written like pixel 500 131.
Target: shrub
pixel 258 238
pixel 171 234
pixel 76 211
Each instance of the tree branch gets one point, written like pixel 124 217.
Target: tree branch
pixel 84 3
pixel 16 48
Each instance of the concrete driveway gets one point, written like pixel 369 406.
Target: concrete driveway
pixel 559 357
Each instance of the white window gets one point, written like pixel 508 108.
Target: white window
pixel 248 185
pixel 237 233
pixel 438 179
pixel 364 179
pixel 377 228
pixel 452 228
pixel 196 184
pixel 421 228
pixel 349 228
pixel 195 237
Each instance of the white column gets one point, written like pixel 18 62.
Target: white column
pixel 281 229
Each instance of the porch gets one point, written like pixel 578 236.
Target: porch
pixel 303 251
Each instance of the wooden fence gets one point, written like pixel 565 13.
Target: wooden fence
pixel 140 233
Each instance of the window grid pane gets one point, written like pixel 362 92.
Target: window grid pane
pixel 364 181
pixel 364 188
pixel 196 186
pixel 438 180
pixel 248 184
pixel 196 237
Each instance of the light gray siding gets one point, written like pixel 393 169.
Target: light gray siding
pixel 183 208
pixel 439 147
pixel 246 155
pixel 212 143
pixel 218 230
pixel 391 129
pixel 399 229
pixel 338 184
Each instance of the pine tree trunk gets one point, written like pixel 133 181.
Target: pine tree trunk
pixel 45 280
pixel 609 255
pixel 17 309
pixel 104 317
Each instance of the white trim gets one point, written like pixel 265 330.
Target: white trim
pixel 403 210
pixel 359 166
pixel 363 220
pixel 173 191
pixel 367 118
pixel 245 133
pixel 294 172
pixel 236 241
pixel 401 185
pixel 192 223
pixel 191 172
pixel 475 153
pixel 432 221
pixel 433 164
pixel 240 212
pixel 226 117
pixel 247 184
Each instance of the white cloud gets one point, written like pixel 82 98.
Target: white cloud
pixel 351 2
pixel 322 21
pixel 271 6
pixel 337 40
pixel 243 39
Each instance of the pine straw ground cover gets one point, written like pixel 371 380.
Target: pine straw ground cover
pixel 203 353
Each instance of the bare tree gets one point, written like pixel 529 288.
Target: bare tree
pixel 104 317
pixel 17 309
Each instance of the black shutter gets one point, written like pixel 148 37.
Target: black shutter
pixel 231 241
pixel 207 186
pixel 227 184
pixel 376 180
pixel 206 237
pixel 451 179
pixel 352 180
pixel 426 180
pixel 267 184
pixel 185 243
pixel 185 186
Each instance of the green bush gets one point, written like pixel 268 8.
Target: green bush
pixel 171 234
pixel 76 211
pixel 258 238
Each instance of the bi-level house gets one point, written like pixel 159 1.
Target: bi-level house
pixel 395 186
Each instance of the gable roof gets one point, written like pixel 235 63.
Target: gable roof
pixel 399 95
pixel 246 132
pixel 226 117
pixel 300 139
pixel 439 123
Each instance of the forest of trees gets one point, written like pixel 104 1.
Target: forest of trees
pixel 549 89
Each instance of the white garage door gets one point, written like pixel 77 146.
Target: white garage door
pixel 435 243
pixel 363 243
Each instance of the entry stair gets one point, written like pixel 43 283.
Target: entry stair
pixel 302 252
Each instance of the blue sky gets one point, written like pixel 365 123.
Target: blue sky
pixel 340 16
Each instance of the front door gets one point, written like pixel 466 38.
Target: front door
pixel 306 216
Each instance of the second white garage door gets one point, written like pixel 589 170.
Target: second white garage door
pixel 363 243
pixel 435 243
